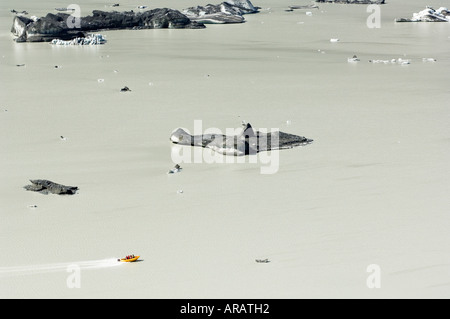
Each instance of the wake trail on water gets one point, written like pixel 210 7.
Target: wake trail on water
pixel 58 267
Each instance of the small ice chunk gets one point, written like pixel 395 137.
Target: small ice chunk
pixel 262 261
pixel 176 169
pixel 403 62
pixel 353 59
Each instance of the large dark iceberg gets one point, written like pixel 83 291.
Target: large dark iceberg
pixel 56 25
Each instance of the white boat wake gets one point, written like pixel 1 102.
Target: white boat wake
pixel 58 267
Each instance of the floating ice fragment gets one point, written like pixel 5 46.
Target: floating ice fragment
pixel 354 59
pixel 176 169
pixel 392 61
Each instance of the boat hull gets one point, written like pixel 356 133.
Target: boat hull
pixel 129 260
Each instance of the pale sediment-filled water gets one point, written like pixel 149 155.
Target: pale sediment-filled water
pixel 372 189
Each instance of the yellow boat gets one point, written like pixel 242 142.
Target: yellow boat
pixel 129 260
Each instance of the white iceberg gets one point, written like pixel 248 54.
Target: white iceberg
pixel 392 61
pixel 429 15
pixel 91 39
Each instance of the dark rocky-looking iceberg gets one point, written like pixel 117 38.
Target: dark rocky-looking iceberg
pixel 56 25
pixel 44 186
